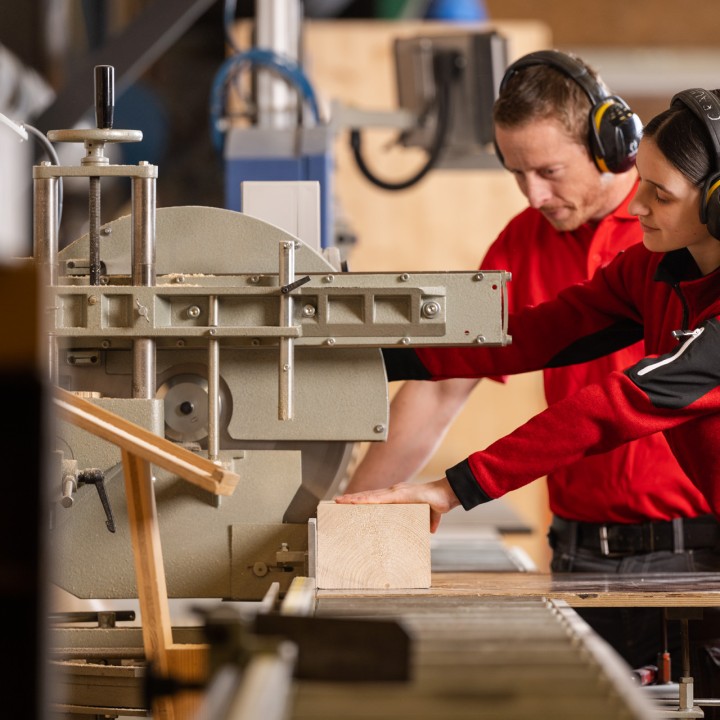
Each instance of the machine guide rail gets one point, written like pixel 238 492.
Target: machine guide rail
pixel 333 309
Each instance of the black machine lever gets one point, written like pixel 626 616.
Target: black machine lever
pixel 104 96
pixel 97 478
pixel 285 289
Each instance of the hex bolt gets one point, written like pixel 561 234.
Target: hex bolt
pixel 309 311
pixel 405 341
pixel 480 339
pixel 106 231
pixel 404 277
pixel 193 311
pixel 329 278
pixel 379 428
pixel 330 341
pixel 212 331
pixel 92 300
pixel 479 276
pixel 254 279
pixel 180 279
pixel 105 344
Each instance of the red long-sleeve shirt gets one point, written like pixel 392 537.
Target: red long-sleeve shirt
pixel 674 389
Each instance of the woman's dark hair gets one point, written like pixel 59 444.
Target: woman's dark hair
pixel 681 136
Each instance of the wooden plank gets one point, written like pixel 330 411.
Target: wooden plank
pixel 145 444
pixel 578 590
pixel 373 546
pixel 149 571
pixel 189 663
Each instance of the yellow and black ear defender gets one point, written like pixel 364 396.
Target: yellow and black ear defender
pixel 615 130
pixel 706 107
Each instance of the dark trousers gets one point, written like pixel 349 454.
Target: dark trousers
pixel 637 633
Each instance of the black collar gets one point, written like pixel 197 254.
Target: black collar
pixel 677 266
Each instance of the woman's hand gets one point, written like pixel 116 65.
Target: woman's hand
pixel 437 494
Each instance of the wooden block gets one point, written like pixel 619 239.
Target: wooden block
pixel 377 547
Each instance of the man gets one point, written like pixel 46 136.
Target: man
pixel 606 507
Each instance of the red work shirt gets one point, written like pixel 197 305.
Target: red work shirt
pixel 636 482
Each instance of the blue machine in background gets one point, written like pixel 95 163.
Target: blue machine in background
pixel 287 139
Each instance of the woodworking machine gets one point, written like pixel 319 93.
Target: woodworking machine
pixel 231 338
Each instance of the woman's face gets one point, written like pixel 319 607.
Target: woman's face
pixel 668 207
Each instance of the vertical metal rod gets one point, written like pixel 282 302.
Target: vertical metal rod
pixel 286 369
pixel 94 232
pixel 213 382
pixel 278 27
pixel 143 274
pixel 45 249
pixel 685 637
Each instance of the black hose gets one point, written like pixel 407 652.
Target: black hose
pixel 447 69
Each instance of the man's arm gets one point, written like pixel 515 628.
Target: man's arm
pixel 420 415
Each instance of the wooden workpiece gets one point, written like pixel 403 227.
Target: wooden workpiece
pixel 373 546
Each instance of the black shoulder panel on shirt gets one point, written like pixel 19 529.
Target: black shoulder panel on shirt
pixel 403 364
pixel 606 341
pixel 679 378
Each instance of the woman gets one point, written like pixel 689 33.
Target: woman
pixel 666 290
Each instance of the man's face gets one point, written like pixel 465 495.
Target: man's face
pixel 554 172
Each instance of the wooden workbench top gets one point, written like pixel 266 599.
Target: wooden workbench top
pixel 578 590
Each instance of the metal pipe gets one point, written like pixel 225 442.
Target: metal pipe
pixel 143 274
pixel 213 382
pixel 143 231
pixel 45 228
pixel 45 249
pixel 144 368
pixel 286 371
pixel 278 25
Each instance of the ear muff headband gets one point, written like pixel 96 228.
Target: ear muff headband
pixel 614 130
pixel 566 65
pixel 706 107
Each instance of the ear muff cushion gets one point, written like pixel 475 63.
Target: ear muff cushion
pixel 710 209
pixel 615 134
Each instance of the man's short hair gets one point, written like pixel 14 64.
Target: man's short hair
pixel 539 92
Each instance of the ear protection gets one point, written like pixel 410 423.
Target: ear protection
pixel 705 105
pixel 615 130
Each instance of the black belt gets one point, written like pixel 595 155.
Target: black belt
pixel 633 539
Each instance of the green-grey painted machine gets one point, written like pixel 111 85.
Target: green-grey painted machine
pixel 233 338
